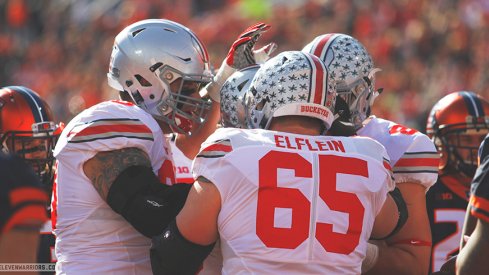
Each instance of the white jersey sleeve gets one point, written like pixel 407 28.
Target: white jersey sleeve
pixel 90 236
pixel 292 203
pixel 413 155
pixel 108 126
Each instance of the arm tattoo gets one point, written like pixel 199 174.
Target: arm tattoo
pixel 105 167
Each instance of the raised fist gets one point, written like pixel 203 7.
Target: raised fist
pixel 241 55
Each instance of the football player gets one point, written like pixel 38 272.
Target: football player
pixel 233 114
pixel 28 130
pixel 413 156
pixel 113 157
pixel 457 124
pixel 23 203
pixel 283 197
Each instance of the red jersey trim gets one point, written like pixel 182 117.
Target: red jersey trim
pixel 479 207
pixel 27 194
pixel 418 162
pixel 28 212
pixel 110 128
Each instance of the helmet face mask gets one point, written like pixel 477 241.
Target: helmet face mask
pixel 189 111
pixel 359 96
pixel 162 65
pixel 462 150
pixel 36 150
pixel 457 129
pixel 28 132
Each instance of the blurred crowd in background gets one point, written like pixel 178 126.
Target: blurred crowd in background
pixel 425 48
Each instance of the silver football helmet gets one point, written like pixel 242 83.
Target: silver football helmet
pixel 291 83
pixel 161 64
pixel 352 68
pixel 233 112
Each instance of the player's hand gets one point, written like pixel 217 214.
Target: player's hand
pixel 241 54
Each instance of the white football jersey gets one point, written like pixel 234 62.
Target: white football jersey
pixel 293 203
pixel 183 165
pixel 90 237
pixel 413 155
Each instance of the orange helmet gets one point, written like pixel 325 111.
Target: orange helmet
pixel 457 124
pixel 27 129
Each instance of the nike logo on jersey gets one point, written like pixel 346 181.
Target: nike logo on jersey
pixel 154 203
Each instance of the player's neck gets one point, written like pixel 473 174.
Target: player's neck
pixel 164 127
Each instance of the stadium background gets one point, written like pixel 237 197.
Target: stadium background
pixel 426 48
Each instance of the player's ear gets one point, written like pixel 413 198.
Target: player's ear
pixel 124 95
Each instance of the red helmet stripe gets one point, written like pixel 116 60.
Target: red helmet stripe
pixel 321 45
pixel 318 80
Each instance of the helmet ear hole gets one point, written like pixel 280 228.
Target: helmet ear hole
pixel 261 105
pixel 241 85
pixel 138 99
pixel 124 95
pixel 143 81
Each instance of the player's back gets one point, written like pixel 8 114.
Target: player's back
pixel 90 236
pixel 294 203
